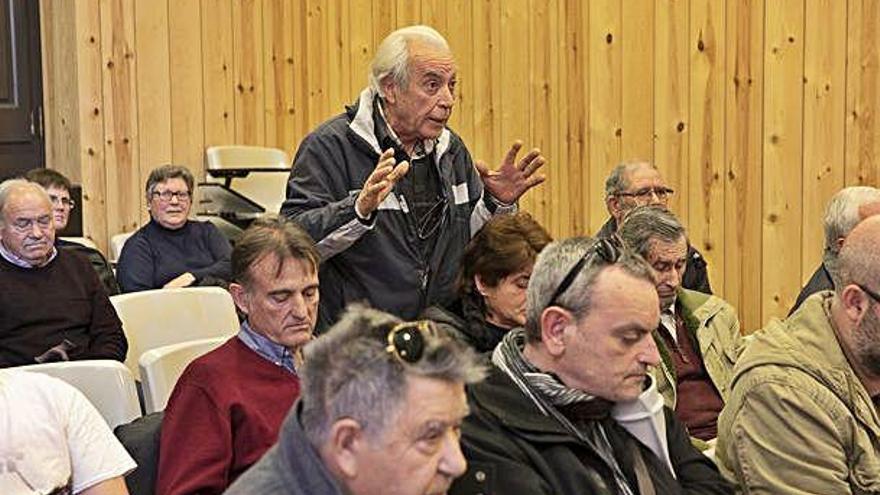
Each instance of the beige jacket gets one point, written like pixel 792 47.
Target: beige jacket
pixel 798 419
pixel 716 327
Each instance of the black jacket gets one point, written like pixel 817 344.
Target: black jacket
pixel 821 280
pixel 696 276
pixel 98 261
pixel 512 448
pixel 380 261
pixel 467 323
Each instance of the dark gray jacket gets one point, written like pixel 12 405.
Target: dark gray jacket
pixel 379 261
pixel 291 467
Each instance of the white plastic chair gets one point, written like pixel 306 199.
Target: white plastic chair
pixel 156 318
pixel 116 243
pixel 108 385
pixel 161 367
pixel 85 241
pixel 266 188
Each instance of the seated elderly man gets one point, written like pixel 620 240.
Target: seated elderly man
pixel 639 183
pixel 52 440
pixel 58 186
pixel 698 336
pixel 228 405
pixel 802 414
pixel 380 413
pixel 570 407
pixel 52 305
pixel 846 209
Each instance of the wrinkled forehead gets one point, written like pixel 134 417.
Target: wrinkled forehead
pixel 26 203
pixel 426 57
pixel 663 250
pixel 644 175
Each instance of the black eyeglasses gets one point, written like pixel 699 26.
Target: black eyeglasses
pixel 407 341
pixel 166 196
pixel 606 249
pixel 875 296
pixel 433 219
pixel 662 193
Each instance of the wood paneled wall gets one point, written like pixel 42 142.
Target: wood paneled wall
pixel 755 111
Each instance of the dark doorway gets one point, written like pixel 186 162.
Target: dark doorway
pixel 21 88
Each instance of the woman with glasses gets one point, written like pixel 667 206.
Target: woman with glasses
pixel 173 250
pixel 493 278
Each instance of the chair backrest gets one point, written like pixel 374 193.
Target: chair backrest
pixel 85 241
pixel 266 189
pixel 162 366
pixel 155 318
pixel 116 243
pixel 108 385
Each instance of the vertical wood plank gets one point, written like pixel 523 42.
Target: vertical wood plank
pixel 408 12
pixel 338 39
pixel 247 26
pixel 316 80
pixel 671 91
pixel 824 120
pixel 218 72
pixel 154 90
pixel 574 173
pixel 121 115
pixel 278 74
pixel 863 94
pixel 362 47
pixel 384 19
pixel 459 34
pixel 90 104
pixel 487 143
pixel 605 73
pixel 744 88
pixel 706 141
pixel 301 69
pixel 783 155
pixel 637 90
pixel 187 94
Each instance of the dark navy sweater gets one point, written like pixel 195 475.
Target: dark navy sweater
pixel 154 255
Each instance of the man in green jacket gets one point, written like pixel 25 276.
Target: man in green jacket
pixel 698 336
pixel 802 413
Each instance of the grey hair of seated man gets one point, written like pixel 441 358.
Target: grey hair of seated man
pixel 618 179
pixel 842 214
pixel 645 224
pixel 9 186
pixel 555 262
pixel 349 373
pixel 392 56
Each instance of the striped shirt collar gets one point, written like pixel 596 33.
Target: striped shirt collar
pixel 21 262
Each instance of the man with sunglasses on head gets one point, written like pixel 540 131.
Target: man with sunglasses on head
pixel 52 305
pixel 802 413
pixel 569 406
pixel 389 193
pixel 380 412
pixel 639 183
pixel 227 407
pixel 58 186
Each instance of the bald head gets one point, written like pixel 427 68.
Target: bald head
pixel 859 257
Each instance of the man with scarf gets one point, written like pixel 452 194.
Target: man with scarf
pixel 547 420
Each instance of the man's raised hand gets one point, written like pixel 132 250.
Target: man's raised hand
pixel 379 183
pixel 513 178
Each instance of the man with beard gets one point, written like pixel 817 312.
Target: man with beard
pixel 802 414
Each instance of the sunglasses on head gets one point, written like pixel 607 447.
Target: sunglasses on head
pixel 407 341
pixel 606 250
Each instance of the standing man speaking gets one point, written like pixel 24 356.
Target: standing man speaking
pixel 389 193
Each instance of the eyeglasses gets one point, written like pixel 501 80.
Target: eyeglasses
pixel 166 196
pixel 606 250
pixel 407 340
pixel 662 193
pixel 433 219
pixel 875 296
pixel 65 202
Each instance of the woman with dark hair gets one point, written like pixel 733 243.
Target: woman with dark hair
pixel 173 250
pixel 492 281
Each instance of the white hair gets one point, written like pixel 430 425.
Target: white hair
pixel 842 213
pixel 16 185
pixel 392 56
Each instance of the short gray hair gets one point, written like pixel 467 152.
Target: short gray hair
pixel 392 56
pixel 7 187
pixel 348 373
pixel 618 180
pixel 557 260
pixel 167 172
pixel 842 214
pixel 645 224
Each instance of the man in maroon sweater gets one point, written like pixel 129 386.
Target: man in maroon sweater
pixel 53 307
pixel 228 405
